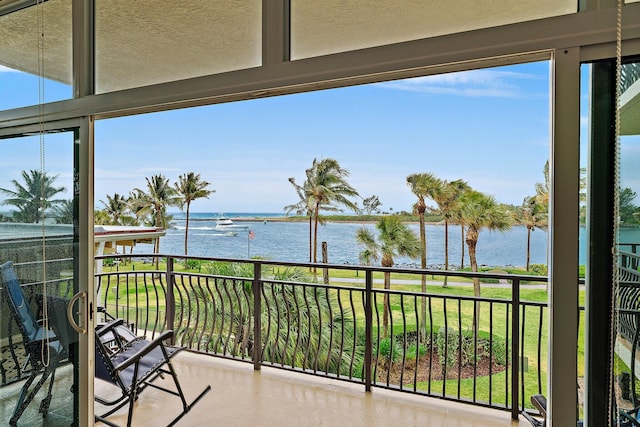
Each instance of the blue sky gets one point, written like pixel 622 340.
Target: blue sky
pixel 488 127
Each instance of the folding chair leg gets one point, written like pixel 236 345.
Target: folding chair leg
pixel 26 398
pixel 44 404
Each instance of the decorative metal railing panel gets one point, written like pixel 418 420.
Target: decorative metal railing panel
pixel 462 348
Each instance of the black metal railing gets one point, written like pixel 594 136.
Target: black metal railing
pixel 473 349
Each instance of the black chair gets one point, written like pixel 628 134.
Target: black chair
pixel 540 403
pixel 133 364
pixel 44 350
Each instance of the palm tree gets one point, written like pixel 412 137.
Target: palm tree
pixel 138 206
pixel 479 211
pixel 190 187
pixel 115 207
pixel 394 239
pixel 423 185
pixel 33 197
pixel 325 189
pixel 64 212
pixel 446 199
pixel 533 215
pixel 159 195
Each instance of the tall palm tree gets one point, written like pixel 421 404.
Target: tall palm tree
pixel 423 185
pixel 190 187
pixel 155 200
pixel 138 205
pixel 34 197
pixel 532 215
pixel 446 199
pixel 115 206
pixel 326 188
pixel 479 211
pixel 394 239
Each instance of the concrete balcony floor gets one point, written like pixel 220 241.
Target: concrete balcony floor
pixel 241 397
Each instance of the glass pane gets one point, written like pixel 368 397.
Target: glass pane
pixel 19 55
pixel 320 28
pixel 38 247
pixel 139 43
pixel 629 238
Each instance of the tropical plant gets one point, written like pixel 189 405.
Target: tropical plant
pixel 101 217
pixel 325 189
pixel 159 195
pixel 532 215
pixel 447 199
pixel 423 185
pixel 394 239
pixel 115 207
pixel 627 209
pixel 189 188
pixel 64 212
pixel 138 205
pixel 33 197
pixel 479 211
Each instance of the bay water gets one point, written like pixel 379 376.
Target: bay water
pixel 289 241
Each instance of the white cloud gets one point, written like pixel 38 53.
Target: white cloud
pixel 4 69
pixel 475 83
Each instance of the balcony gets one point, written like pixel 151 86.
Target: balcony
pixel 342 325
pixel 327 337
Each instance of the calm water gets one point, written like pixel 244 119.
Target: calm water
pixel 289 242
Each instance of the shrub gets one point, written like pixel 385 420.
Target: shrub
pixel 539 269
pixel 448 344
pixel 388 349
pixel 193 264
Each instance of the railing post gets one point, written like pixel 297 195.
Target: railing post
pixel 515 348
pixel 170 298
pixel 368 317
pixel 257 317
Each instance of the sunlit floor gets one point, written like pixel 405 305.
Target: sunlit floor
pixel 270 397
pixel 273 397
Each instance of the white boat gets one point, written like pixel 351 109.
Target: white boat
pixel 226 224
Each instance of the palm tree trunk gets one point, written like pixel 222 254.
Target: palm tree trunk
pixel 310 239
pixel 315 239
pixel 385 314
pixel 423 278
pixel 446 251
pixel 472 241
pixel 528 246
pixel 462 246
pixel 186 236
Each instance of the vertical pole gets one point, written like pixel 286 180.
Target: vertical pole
pixel 515 348
pixel 325 260
pixel 257 324
pixel 368 339
pixel 170 298
pixel 564 218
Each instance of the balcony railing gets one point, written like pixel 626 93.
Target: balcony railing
pixel 478 350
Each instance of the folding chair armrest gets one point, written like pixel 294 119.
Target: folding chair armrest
pixel 108 327
pixel 134 358
pixel 540 402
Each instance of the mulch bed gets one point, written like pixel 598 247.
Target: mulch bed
pixel 481 369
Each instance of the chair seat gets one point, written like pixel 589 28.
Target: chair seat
pixel 148 364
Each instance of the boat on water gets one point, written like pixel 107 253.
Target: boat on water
pixel 225 233
pixel 224 223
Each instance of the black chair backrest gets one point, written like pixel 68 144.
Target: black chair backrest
pixel 19 305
